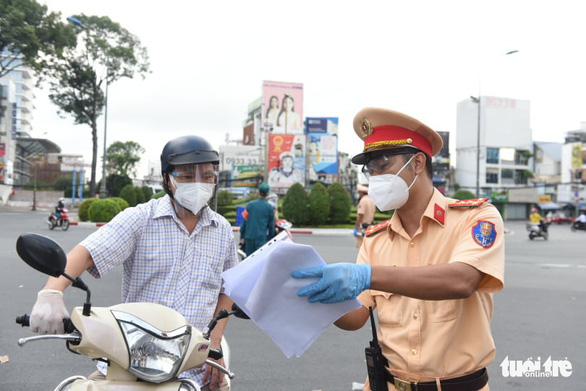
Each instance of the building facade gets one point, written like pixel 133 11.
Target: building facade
pixel 493 145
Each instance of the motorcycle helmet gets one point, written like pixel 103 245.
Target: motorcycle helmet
pixel 534 210
pixel 186 150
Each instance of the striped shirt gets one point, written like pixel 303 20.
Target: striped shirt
pixel 163 263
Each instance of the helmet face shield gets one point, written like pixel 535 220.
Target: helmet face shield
pixel 191 173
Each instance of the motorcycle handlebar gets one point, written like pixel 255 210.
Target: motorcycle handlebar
pixel 24 321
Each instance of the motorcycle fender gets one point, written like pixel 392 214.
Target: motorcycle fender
pixel 101 335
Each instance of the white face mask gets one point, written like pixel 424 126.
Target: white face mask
pixel 389 191
pixel 193 196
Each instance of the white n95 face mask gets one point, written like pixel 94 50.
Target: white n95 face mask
pixel 193 196
pixel 389 191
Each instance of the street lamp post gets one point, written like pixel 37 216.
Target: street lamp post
pixel 35 187
pixel 103 191
pixel 477 101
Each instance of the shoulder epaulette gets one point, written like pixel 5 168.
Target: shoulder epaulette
pixel 374 229
pixel 473 203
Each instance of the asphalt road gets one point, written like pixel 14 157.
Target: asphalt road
pixel 540 314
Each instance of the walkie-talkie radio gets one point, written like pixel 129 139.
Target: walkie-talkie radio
pixel 376 363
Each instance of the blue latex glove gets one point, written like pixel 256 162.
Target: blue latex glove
pixel 357 233
pixel 338 282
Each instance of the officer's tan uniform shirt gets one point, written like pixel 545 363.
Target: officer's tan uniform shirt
pixel 426 340
pixel 366 208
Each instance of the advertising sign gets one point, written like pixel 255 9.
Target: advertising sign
pixel 323 157
pixel 321 125
pixel 286 163
pixel 577 156
pixel 244 163
pixel 282 107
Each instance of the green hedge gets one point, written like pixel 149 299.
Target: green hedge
pixel 82 212
pixel 121 202
pixel 103 210
pixel 319 205
pixel 340 204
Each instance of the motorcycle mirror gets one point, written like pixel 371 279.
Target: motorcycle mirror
pixel 42 254
pixel 237 311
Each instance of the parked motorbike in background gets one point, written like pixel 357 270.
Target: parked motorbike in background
pixel 62 221
pixel 145 345
pixel 538 230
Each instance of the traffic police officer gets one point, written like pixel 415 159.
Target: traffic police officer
pixel 259 225
pixel 430 270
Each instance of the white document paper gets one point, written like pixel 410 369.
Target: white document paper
pixel 263 288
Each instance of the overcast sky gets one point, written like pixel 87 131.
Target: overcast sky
pixel 209 58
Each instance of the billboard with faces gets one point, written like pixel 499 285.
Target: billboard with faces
pixel 282 107
pixel 286 161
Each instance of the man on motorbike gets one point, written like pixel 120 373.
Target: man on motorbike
pixel 581 220
pixel 59 209
pixel 536 218
pixel 173 250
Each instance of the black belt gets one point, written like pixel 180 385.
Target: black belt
pixel 474 381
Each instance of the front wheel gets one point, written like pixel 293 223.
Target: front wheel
pixel 51 223
pixel 65 225
pixel 531 236
pixel 573 227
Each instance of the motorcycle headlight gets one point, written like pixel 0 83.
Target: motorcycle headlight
pixel 155 355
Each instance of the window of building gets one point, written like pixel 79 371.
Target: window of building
pixel 507 155
pixel 492 175
pixel 507 176
pixel 520 177
pixel 522 157
pixel 492 155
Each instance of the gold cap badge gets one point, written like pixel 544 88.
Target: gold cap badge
pixel 366 128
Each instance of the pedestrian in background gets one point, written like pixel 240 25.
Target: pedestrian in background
pixel 364 214
pixel 259 226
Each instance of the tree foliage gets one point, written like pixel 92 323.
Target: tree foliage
pixel 295 205
pixel 105 52
pixel 31 36
pixel 463 195
pixel 122 157
pixel 340 202
pixel 319 204
pixel 129 194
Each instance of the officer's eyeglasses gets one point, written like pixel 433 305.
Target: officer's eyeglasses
pixel 207 174
pixel 378 165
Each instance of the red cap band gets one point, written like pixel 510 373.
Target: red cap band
pixel 387 135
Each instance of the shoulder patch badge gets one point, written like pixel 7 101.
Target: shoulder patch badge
pixel 484 233
pixel 374 229
pixel 473 203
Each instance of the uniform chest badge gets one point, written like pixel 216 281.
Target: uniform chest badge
pixel 484 233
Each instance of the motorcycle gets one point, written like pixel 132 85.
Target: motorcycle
pixel 62 221
pixel 280 226
pixel 145 345
pixel 578 226
pixel 538 230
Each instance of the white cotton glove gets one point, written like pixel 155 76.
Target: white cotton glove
pixel 48 312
